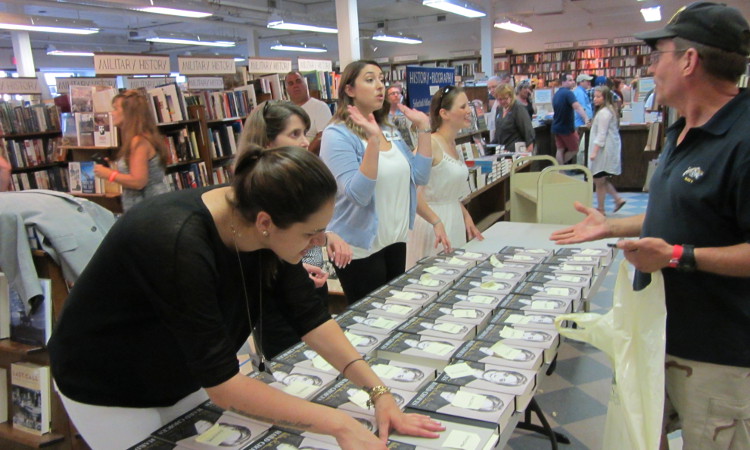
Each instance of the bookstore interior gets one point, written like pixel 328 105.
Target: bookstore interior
pixel 465 337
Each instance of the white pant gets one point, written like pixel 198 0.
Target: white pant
pixel 112 427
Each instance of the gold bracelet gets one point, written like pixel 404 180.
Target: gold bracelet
pixel 375 393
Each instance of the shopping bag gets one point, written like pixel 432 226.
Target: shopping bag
pixel 632 334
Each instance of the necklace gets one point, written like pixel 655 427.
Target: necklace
pixel 255 332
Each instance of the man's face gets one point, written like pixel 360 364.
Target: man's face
pixel 297 88
pixel 570 82
pixel 394 95
pixel 664 66
pixel 586 84
pixel 491 85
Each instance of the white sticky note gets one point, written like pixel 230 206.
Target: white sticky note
pixel 215 435
pixel 446 327
pixel 462 440
pixel 468 400
pixel 572 268
pixel 301 390
pixel 382 322
pixel 511 333
pixel 457 262
pixel 518 318
pixel 484 299
pixel 495 262
pixel 398 309
pixel 438 348
pixel 535 250
pixel 503 275
pixel 556 291
pixel 465 313
pixel 386 371
pixel 427 280
pixel 521 258
pixel 360 399
pixel 583 258
pixel 458 370
pixel 505 351
pixel 542 304
pixel 590 252
pixel 321 364
pixel 354 339
pixel 401 295
pixel 435 270
pixel 569 278
pixel 491 286
pixel 472 255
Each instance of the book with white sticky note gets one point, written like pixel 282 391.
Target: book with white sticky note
pixel 420 297
pixel 449 273
pixel 348 396
pixel 468 314
pixel 462 299
pixel 500 354
pixel 524 319
pixel 426 351
pixel 538 304
pixel 443 329
pixel 545 339
pixel 361 322
pixel 465 403
pixel 475 286
pixel 421 281
pixel 458 435
pixel 295 380
pixel 477 257
pixel 302 356
pixel 493 263
pixel 386 308
pixel 540 290
pixel 404 375
pixel 604 254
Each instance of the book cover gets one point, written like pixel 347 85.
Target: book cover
pixel 74 177
pixel 604 253
pixel 81 99
pixel 450 261
pixel 348 396
pixel 440 329
pixel 524 319
pixel 294 380
pixel 30 397
pixel 545 290
pixel 386 308
pixel 364 342
pixel 538 304
pixel 69 129
pixel 457 435
pixel 448 273
pixel 31 325
pixel 404 375
pixel 527 258
pixel 576 260
pixel 460 253
pixel 366 419
pixel 85 129
pixel 358 321
pixel 5 308
pixel 423 350
pixel 547 340
pixel 476 317
pixel 464 402
pixel 303 356
pixel 423 282
pixel 102 98
pixel 581 282
pixel 393 293
pixel 477 286
pixel 88 178
pixel 487 377
pixel 277 439
pixel 506 355
pixel 509 266
pixel 515 250
pixel 103 132
pixel 571 269
pixel 486 274
pixel 460 299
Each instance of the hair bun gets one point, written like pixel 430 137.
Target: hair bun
pixel 248 158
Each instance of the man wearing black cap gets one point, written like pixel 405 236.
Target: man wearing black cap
pixel 697 224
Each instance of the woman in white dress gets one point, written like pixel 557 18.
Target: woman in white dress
pixel 605 147
pixel 442 219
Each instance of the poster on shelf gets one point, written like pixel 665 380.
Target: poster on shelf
pixel 423 82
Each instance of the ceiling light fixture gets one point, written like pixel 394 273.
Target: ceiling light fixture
pixel 174 12
pixel 397 37
pixel 53 51
pixel 277 22
pixel 652 14
pixel 18 22
pixel 299 47
pixel 188 39
pixel 513 25
pixel 459 7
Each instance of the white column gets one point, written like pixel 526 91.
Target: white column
pixel 485 34
pixel 253 47
pixel 347 21
pixel 22 53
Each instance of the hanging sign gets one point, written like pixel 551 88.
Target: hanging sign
pixel 28 85
pixel 130 64
pixel 423 82
pixel 203 83
pixel 269 65
pixel 309 65
pixel 206 65
pixel 148 83
pixel 63 84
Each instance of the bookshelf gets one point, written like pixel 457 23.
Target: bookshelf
pixel 35 159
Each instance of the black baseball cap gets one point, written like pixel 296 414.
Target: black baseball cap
pixel 712 24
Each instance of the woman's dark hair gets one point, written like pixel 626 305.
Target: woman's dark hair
pixel 268 120
pixel 443 99
pixel 348 78
pixel 289 183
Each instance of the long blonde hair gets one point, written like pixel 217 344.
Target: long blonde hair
pixel 138 121
pixel 351 72
pixel 609 102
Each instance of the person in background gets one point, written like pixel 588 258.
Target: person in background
pixel 141 160
pixel 174 303
pixel 275 124
pixel 318 111
pixel 582 96
pixel 513 123
pixel 377 175
pixel 565 105
pixel 395 96
pixel 697 222
pixel 523 95
pixel 492 83
pixel 619 88
pixel 5 170
pixel 605 147
pixel 610 84
pixel 442 218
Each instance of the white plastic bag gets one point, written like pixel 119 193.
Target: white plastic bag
pixel 632 334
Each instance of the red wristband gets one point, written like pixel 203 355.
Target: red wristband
pixel 112 175
pixel 676 255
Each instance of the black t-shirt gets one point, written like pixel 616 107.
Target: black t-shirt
pixel 160 310
pixel 700 195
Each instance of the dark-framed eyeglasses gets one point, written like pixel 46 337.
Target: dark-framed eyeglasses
pixel 655 55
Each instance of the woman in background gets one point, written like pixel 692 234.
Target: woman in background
pixel 377 175
pixel 513 123
pixel 142 157
pixel 604 147
pixel 443 219
pixel 523 96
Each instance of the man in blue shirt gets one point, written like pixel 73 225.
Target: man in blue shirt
pixel 582 96
pixel 564 104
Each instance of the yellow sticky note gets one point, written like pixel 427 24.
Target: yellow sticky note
pixel 386 371
pixel 468 400
pixel 503 275
pixel 353 338
pixel 448 328
pixel 384 323
pixel 505 351
pixel 301 390
pixel 462 440
pixel 535 250
pixel 572 268
pixel 484 299
pixel 401 295
pixel 465 313
pixel 398 309
pixel 435 270
pixel 556 291
pixel 427 280
pixel 458 370
pixel 590 252
pixel 542 304
pixel 583 258
pixel 511 333
pixel 491 286
pixel 496 262
pixel 472 255
pixel 569 278
pixel 321 364
pixel 457 262
pixel 360 398
pixel 438 348
pixel 518 318
pixel 215 435
pixel 522 258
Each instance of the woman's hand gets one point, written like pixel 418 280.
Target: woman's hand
pixel 102 171
pixel 316 274
pixel 441 237
pixel 390 418
pixel 471 230
pixel 355 436
pixel 592 228
pixel 593 155
pixel 368 124
pixel 338 250
pixel 418 118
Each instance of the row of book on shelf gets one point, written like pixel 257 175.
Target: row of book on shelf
pixel 460 337
pixel 21 119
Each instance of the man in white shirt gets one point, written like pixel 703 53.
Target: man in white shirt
pixel 319 112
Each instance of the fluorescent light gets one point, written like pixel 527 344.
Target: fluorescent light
pixel 46 24
pixel 51 50
pixel 238 59
pixel 299 47
pixel 397 37
pixel 187 39
pixel 278 23
pixel 174 12
pixel 462 8
pixel 511 25
pixel 652 14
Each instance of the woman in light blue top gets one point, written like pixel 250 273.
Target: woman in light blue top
pixel 141 160
pixel 377 177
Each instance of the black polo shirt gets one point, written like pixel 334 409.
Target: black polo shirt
pixel 700 195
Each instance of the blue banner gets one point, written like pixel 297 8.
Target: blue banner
pixel 423 82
